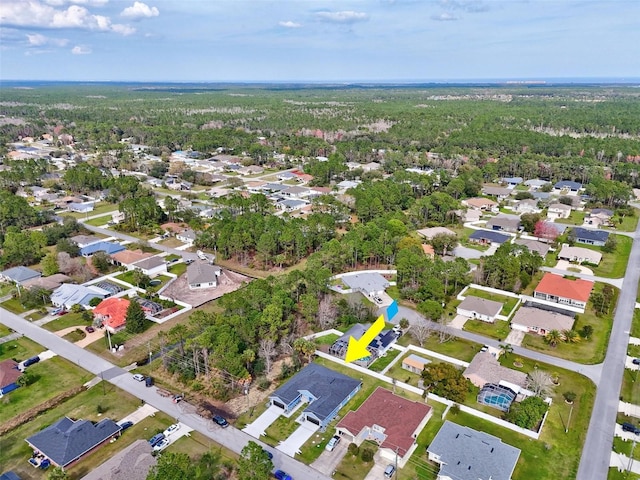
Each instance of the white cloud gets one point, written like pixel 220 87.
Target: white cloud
pixel 290 24
pixel 39 40
pixel 124 30
pixel 347 16
pixel 81 50
pixel 444 17
pixel 139 10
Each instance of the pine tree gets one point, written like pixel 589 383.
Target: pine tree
pixel 135 318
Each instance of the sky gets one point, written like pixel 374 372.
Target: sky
pixel 318 41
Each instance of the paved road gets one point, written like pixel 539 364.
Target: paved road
pixel 594 463
pixel 230 437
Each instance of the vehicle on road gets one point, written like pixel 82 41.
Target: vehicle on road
pixel 630 427
pixel 178 398
pixel 335 440
pixel 157 438
pixel 125 425
pixel 280 475
pixel 220 420
pixel 389 471
pixel 138 377
pixel 484 348
pixel 189 261
pixel 148 381
pixel 201 255
pixel 171 429
pixel 90 329
pixel 161 445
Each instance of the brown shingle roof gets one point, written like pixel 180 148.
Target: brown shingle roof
pixel 485 368
pixel 547 320
pixel 9 372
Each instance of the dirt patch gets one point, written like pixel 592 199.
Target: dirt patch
pixel 227 282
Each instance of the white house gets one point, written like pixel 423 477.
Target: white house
pixel 203 275
pixel 479 309
pixel 187 236
pixel 152 266
pixel 558 210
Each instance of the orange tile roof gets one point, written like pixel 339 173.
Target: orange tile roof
pixel 577 289
pixel 113 310
pixel 428 250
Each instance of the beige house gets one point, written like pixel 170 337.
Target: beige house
pixel 537 320
pixel 479 203
pixel 579 255
pixel 485 368
pixel 415 364
pixel 558 210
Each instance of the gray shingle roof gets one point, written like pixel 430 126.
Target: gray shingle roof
pixel 66 440
pixel 481 305
pixel 466 454
pixel 202 272
pixel 366 282
pixel 329 387
pixel 490 236
pixel 20 274
pixel 149 263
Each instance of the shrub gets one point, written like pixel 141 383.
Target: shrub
pixel 455 409
pixel 353 449
pixel 569 396
pixel 366 455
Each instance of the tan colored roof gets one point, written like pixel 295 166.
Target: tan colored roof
pixel 547 320
pixel 415 361
pixel 480 202
pixel 579 252
pixel 127 257
pixel 486 369
pixel 429 233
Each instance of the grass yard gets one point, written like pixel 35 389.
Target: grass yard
pixel 37 315
pixel 171 242
pixel 20 349
pixel 507 302
pixel 178 268
pixel 6 288
pixel 75 335
pixel 65 321
pixel 326 339
pixel 352 467
pixel 630 390
pixel 280 430
pixel 614 474
pixel 629 223
pixel 498 329
pixel 455 347
pixel 382 363
pixel 635 325
pixel 53 376
pixel 126 277
pixel 13 305
pixel 576 218
pixel 4 331
pixel 613 265
pixel 99 221
pixel 101 207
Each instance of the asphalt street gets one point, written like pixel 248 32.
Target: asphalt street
pixel 230 437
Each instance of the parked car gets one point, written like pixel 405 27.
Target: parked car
pixel 90 329
pixel 484 348
pixel 389 471
pixel 161 445
pixel 269 454
pixel 60 312
pixel 335 440
pixel 30 361
pixel 171 429
pixel 220 420
pixel 157 438
pixel 188 261
pixel 148 381
pixel 57 311
pixel 125 425
pixel 280 475
pixel 138 377
pixel 630 427
pixel 636 361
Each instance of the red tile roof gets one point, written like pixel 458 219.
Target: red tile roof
pixel 113 311
pixel 9 372
pixel 399 417
pixel 558 286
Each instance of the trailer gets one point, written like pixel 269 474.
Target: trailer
pixel 163 393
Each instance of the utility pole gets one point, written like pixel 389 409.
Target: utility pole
pixel 566 430
pixel 149 348
pixel 395 472
pixel 109 337
pixel 104 392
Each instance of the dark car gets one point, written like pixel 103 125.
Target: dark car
pixel 156 439
pixel 280 475
pixel 630 427
pixel 30 361
pixel 125 425
pixel 90 329
pixel 220 421
pixel 636 361
pixel 148 381
pixel 269 454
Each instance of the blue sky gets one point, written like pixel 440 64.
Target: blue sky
pixel 311 40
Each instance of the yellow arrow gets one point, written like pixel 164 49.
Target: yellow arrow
pixel 357 349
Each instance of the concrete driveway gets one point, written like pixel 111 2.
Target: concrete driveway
pixel 458 322
pixel 327 462
pixel 259 425
pixel 140 414
pixel 377 471
pixel 467 253
pixel 292 445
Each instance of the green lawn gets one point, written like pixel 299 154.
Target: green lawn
pixel 19 349
pixel 576 218
pixel 352 467
pixel 614 474
pixel 6 288
pixel 613 265
pixel 629 223
pixel 455 347
pixel 498 329
pixel 171 242
pixel 507 302
pixel 65 321
pixel 126 277
pixel 99 221
pixel 326 339
pixel 630 390
pixel 101 207
pixel 381 363
pixel 178 268
pixel 4 331
pixel 32 317
pixel 13 305
pixel 635 325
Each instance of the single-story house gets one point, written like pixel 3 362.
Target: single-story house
pixel 187 236
pixel 369 284
pixel 202 275
pixel 84 207
pixel 541 321
pixel 564 291
pixel 391 421
pixel 290 205
pixel 558 210
pixel 579 255
pixel 296 192
pixel 535 183
pixel 504 223
pixel 151 266
pixel 107 247
pixel 500 193
pixel 67 440
pixel 479 203
pixel 127 258
pixel 429 233
pixel 112 312
pixel 512 182
pixel 479 308
pixel 567 186
pixel 9 375
pixel 48 283
pixel 589 237
pixel 85 240
pixel 68 294
pixel 117 217
pixel 19 275
pixel 283 176
pixel 487 237
pixel 325 390
pixel 429 251
pixel 485 368
pixel 132 463
pixel 377 347
pixel 250 170
pixel 527 206
pixel 467 454
pixel 599 217
pixel 468 215
pixel 534 246
pixel 415 364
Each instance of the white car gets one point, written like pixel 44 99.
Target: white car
pixel 139 377
pixel 332 443
pixel 162 445
pixel 171 428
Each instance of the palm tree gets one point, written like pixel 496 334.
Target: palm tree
pixel 571 336
pixel 554 337
pixel 505 349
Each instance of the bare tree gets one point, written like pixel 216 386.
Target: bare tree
pixel 267 350
pixel 286 344
pixel 327 313
pixel 540 383
pixel 65 262
pixel 421 330
pixel 444 335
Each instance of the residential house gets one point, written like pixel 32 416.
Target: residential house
pixel 536 184
pixel 480 203
pixel 534 246
pixel 84 207
pixel 488 237
pixel 415 364
pixel 85 240
pixel 391 421
pixel 202 275
pixel 131 463
pixel 512 182
pixel 467 454
pixel 69 294
pixel 558 210
pixel 589 237
pixel 117 217
pixel 369 284
pixel 326 392
pixel 485 368
pixel 107 247
pixel 291 205
pixel 564 291
pixel 67 441
pixel 598 217
pixel 479 308
pixel 284 176
pixel 428 250
pixel 579 255
pixel 429 233
pixel 296 192
pixel 468 215
pixel 371 166
pixel 187 236
pixel 504 223
pixel 541 320
pixel 345 185
pixel 527 206
pixel 377 347
pixel 500 193
pixel 48 283
pixel 9 374
pixel 152 266
pixel 250 170
pixel 567 187
pixel 127 258
pixel 19 275
pixel 112 313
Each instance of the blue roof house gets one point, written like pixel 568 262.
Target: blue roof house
pixel 572 187
pixel 66 441
pixel 108 247
pixel 589 237
pixel 325 390
pixel 19 274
